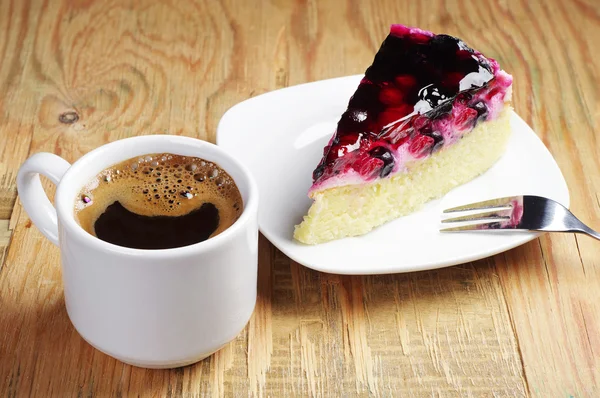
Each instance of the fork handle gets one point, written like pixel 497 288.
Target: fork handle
pixel 574 224
pixel 590 232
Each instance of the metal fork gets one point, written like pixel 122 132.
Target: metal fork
pixel 515 213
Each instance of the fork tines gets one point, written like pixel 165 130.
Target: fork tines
pixel 491 214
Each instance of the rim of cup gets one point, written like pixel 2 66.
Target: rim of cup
pixel 64 202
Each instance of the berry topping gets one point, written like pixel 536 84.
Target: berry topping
pixel 422 92
pixel 482 110
pixel 319 171
pixel 383 154
pixel 465 118
pixel 421 146
pixel 438 139
pixel 353 120
pixel 391 96
pixel 369 167
pixel 392 114
pixel 405 82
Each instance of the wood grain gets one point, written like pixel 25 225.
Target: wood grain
pixel 75 75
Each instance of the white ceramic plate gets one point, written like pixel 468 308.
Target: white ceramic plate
pixel 280 136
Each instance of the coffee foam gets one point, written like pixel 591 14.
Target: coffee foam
pixel 160 185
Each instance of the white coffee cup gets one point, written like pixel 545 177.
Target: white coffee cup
pixel 149 308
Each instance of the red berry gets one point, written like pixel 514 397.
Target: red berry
pixel 419 122
pixel 393 114
pixel 463 98
pixel 421 145
pixel 370 167
pixel 465 118
pixel 391 96
pixel 405 81
pixel 452 79
pixel 493 92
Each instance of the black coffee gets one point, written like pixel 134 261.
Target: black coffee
pixel 159 201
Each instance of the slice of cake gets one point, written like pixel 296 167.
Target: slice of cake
pixel 429 114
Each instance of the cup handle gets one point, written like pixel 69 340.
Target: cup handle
pixel 32 194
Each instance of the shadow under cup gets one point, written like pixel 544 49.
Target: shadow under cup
pixel 158 308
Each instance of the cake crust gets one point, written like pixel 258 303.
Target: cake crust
pixel 354 210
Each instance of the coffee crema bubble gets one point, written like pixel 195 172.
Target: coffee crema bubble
pixel 159 201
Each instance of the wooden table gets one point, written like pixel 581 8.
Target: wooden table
pixel 77 74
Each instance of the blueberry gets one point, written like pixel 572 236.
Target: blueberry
pixel 482 111
pixel 386 156
pixel 463 98
pixel 382 153
pixel 319 171
pixel 438 138
pixel 386 170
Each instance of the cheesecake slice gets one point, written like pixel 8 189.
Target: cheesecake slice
pixel 430 114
